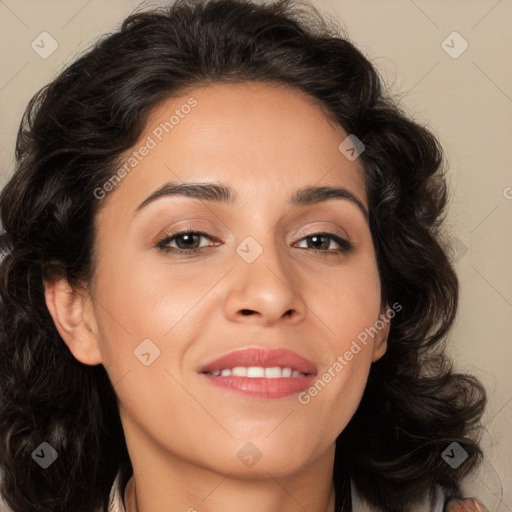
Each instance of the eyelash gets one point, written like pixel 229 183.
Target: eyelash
pixel 346 246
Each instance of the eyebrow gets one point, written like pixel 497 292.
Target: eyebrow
pixel 221 193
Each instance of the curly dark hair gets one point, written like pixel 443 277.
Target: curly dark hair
pixel 70 141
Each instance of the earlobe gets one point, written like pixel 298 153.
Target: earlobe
pixel 68 309
pixel 380 342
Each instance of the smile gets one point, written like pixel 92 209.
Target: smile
pixel 254 372
pixel 261 373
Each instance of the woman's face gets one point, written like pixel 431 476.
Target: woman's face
pixel 260 279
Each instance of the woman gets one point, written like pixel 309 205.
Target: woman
pixel 293 358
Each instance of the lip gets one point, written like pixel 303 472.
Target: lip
pixel 261 387
pixel 261 357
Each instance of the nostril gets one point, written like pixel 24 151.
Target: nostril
pixel 247 312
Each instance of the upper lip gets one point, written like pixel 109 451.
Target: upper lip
pixel 261 357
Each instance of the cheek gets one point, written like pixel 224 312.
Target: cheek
pixel 347 299
pixel 349 307
pixel 335 396
pixel 140 298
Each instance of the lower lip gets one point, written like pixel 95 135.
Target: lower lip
pixel 261 387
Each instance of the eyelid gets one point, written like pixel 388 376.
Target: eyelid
pixel 304 231
pixel 195 225
pixel 175 233
pixel 334 229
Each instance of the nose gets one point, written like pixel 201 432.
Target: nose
pixel 267 290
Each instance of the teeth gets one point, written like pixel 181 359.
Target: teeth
pixel 273 372
pixel 257 371
pixel 239 371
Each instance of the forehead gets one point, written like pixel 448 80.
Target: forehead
pixel 263 139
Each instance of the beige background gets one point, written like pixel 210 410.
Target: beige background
pixel 466 101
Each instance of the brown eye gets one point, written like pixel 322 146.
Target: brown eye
pixel 322 241
pixel 186 241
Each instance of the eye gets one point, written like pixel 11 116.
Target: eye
pixel 318 242
pixel 185 239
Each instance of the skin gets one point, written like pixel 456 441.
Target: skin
pixel 183 433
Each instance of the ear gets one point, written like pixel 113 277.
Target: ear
pixel 380 341
pixel 73 315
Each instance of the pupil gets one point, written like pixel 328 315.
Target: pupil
pixel 316 238
pixel 189 238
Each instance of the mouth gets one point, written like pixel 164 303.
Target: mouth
pixel 261 373
pixel 255 372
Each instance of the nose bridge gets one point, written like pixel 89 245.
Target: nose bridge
pixel 264 279
pixel 263 257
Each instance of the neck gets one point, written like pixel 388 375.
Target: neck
pixel 185 480
pixel 193 489
pixel 132 503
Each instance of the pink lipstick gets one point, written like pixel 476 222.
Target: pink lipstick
pixel 261 373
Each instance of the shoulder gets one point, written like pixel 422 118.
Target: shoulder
pixel 464 505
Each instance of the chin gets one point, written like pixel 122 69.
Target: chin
pixel 259 458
